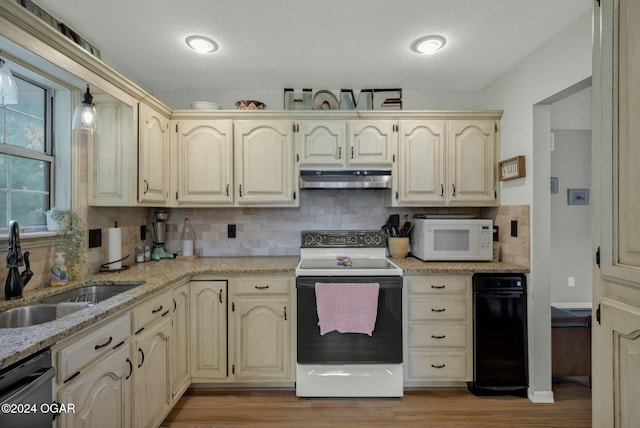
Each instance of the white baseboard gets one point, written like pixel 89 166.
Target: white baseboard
pixel 574 305
pixel 543 397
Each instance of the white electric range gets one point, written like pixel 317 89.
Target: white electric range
pixel 348 364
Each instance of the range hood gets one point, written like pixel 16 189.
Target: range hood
pixel 359 179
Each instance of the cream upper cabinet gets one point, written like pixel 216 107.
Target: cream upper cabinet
pixel 420 176
pixel 264 163
pixel 154 171
pixel 204 162
pixel 472 162
pixel 446 163
pixel 112 154
pixel 321 143
pixel 208 330
pixel 371 142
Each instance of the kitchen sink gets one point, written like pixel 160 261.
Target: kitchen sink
pixel 94 293
pixel 24 316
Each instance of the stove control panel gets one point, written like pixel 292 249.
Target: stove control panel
pixel 343 239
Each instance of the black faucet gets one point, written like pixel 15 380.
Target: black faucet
pixel 16 280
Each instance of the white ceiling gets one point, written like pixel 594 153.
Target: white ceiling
pixel 274 44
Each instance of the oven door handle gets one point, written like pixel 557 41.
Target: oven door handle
pixel 22 395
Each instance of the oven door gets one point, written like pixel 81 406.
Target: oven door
pixel 384 346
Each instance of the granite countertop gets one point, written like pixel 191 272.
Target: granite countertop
pixel 19 343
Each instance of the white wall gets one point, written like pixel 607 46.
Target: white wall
pixel 562 62
pixel 571 254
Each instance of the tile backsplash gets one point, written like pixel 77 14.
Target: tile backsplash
pixel 272 231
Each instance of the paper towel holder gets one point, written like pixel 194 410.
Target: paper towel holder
pixel 105 266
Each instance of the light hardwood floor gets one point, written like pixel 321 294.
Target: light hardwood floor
pixel 442 408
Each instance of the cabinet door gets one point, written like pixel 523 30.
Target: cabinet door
pixel 205 156
pixel 321 143
pixel 264 163
pixel 208 330
pixel 152 383
pixel 371 142
pixel 101 395
pixel 421 166
pixel 112 154
pixel 472 165
pixel 153 181
pixel 180 373
pixel 262 338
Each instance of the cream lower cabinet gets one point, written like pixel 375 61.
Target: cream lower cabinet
pixel 102 395
pixel 180 341
pixel 446 163
pixel 151 348
pixel 208 330
pixel 204 162
pixel 261 327
pixel 265 168
pixel 93 372
pixel 255 344
pixel 438 334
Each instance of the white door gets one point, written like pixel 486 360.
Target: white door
pixel 616 290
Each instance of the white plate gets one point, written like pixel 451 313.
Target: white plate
pixel 205 105
pixel 325 100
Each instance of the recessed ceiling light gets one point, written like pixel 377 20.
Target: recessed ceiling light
pixel 428 44
pixel 201 44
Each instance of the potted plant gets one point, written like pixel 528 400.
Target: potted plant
pixel 70 240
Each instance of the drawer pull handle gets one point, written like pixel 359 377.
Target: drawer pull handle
pixel 141 352
pixel 438 337
pixel 438 310
pixel 438 366
pixel 164 314
pixel 130 369
pixel 155 311
pixel 175 305
pixel 261 287
pixel 104 344
pixel 438 287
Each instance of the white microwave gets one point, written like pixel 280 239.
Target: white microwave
pixel 452 239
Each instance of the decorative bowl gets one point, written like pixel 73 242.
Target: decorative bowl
pixel 205 105
pixel 250 105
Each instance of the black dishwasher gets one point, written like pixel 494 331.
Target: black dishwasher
pixel 499 334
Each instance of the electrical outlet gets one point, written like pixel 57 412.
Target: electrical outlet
pixel 231 231
pixel 572 281
pixel 95 238
pixel 514 228
pixel 496 233
pixel 143 232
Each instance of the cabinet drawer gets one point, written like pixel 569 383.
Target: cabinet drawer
pixel 437 366
pixel 437 308
pixel 91 347
pixel 264 285
pixel 439 285
pixel 151 310
pixel 437 336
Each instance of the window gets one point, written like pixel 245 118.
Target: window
pixel 26 156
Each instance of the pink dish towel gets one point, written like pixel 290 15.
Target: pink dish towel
pixel 347 308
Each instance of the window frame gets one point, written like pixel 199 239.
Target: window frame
pixel 49 153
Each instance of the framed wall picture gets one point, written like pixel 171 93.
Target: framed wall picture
pixel 578 196
pixel 554 184
pixel 512 168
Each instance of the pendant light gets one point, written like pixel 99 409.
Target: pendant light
pixel 84 118
pixel 8 85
